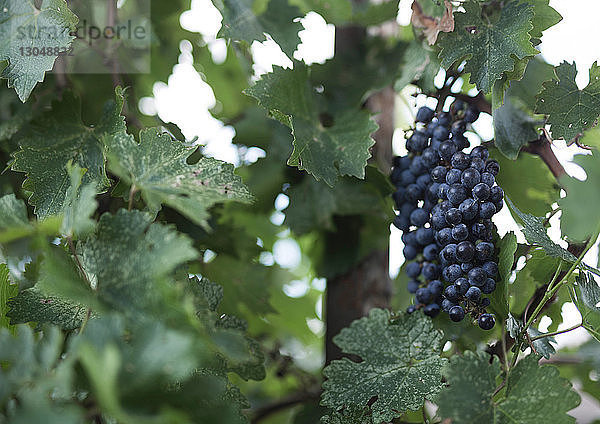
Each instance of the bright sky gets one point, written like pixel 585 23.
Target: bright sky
pixel 186 100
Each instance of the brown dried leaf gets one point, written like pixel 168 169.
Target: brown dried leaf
pixel 432 26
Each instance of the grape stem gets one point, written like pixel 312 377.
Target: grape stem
pixel 552 289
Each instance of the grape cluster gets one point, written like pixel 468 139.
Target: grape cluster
pixel 445 199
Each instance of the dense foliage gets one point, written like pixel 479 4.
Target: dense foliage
pixel 138 282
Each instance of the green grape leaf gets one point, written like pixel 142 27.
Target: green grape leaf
pixel 471 381
pixel 58 137
pixel 158 168
pixel 499 299
pixel 526 88
pixel 339 146
pixel 401 365
pixel 36 372
pixel 14 222
pixel 534 393
pixel 23 28
pixel 241 23
pixel 7 292
pixel 128 256
pixel 313 203
pixel 351 415
pixel 59 277
pixel 544 16
pixel 538 270
pixel 80 204
pixel 246 285
pixel 489 47
pixel 528 182
pixel 13 213
pixel 586 296
pixel 368 13
pixel 31 305
pixel 415 63
pixel 542 346
pixel 570 111
pixel 536 234
pixel 513 128
pixel 580 205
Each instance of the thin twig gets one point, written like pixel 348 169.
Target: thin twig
pixel 292 400
pixel 542 148
pixel 132 191
pixel 554 333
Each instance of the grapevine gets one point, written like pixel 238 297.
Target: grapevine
pixel 445 198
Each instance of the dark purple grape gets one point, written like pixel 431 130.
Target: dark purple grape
pixel 451 273
pixel 423 295
pixel 484 302
pixel 469 209
pixel 480 152
pixel 409 252
pixel 487 210
pixel 496 194
pixel 438 174
pixel 430 252
pixel 413 286
pixel 444 236
pixel 453 176
pixel 486 321
pixel 411 309
pixel 443 190
pixel 488 179
pixel 481 192
pixel 456 194
pixel 453 216
pixel 435 287
pixel 430 157
pixel 489 286
pixel 473 294
pixel 444 119
pixel 493 167
pixel 465 251
pixel 478 164
pixel 490 268
pixel 413 269
pixel 462 285
pixel 431 271
pixel 401 222
pixel 484 251
pixel 456 313
pixel 471 114
pixel 470 177
pixel 460 232
pixel 477 276
pixel 447 150
pixel 432 310
pixel 424 114
pixel 438 221
pixel 451 293
pixel 425 236
pixel 461 161
pixel 417 142
pixel 446 305
pixel 419 217
pixel 441 132
pixel 449 253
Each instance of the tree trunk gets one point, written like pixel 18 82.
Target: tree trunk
pixel 367 285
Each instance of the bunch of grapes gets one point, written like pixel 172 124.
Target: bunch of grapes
pixel 445 200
